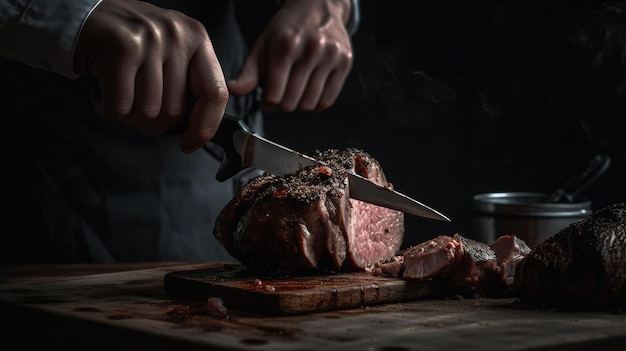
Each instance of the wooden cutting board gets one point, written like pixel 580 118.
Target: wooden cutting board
pixel 130 310
pixel 242 290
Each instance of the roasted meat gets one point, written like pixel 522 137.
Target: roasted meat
pixel 433 258
pixel 477 272
pixel 581 266
pixel 307 223
pixel 510 251
pixel 465 266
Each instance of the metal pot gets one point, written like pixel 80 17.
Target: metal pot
pixel 524 214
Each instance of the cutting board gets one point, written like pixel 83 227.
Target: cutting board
pixel 242 290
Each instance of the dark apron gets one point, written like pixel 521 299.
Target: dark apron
pixel 80 189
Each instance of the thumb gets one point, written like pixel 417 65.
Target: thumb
pixel 248 77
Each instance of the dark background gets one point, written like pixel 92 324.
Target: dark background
pixel 456 99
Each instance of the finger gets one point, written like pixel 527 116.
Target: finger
pixel 117 93
pixel 313 91
pixel 174 105
pixel 208 88
pixel 280 59
pixel 335 81
pixel 332 89
pixel 248 77
pixel 300 80
pixel 148 95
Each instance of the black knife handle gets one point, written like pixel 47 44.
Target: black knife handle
pixel 232 162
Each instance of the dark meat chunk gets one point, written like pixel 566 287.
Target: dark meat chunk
pixel 393 267
pixel 306 222
pixel 581 266
pixel 510 250
pixel 477 272
pixel 433 258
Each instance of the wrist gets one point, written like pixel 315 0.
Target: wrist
pixel 350 11
pixel 351 14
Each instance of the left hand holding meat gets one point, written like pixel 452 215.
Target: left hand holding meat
pixel 301 59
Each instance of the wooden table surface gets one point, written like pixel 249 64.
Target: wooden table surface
pixel 102 307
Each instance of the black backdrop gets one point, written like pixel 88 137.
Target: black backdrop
pixel 456 99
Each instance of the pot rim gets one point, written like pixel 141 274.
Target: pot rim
pixel 528 204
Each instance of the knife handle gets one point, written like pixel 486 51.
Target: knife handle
pixel 232 161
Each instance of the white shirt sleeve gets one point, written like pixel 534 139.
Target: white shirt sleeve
pixel 43 33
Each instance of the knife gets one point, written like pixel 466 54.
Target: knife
pixel 243 148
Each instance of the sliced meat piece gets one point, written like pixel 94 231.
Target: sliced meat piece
pixel 433 258
pixel 581 266
pixel 306 222
pixel 372 232
pixel 477 272
pixel 510 250
pixel 462 265
pixel 393 267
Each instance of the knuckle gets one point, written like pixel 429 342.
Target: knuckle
pixel 306 107
pixel 184 27
pixel 288 106
pixel 323 105
pixel 219 94
pixel 272 99
pixel 141 116
pixel 197 27
pixel 174 113
pixel 129 45
pixel 318 44
pixel 325 101
pixel 346 61
pixel 206 134
pixel 287 45
pixel 148 112
pixel 188 32
pixel 338 53
pixel 116 111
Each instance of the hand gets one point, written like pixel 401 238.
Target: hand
pixel 301 59
pixel 148 61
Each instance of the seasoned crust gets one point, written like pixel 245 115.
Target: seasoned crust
pixel 581 266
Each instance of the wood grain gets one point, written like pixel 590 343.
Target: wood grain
pixel 292 295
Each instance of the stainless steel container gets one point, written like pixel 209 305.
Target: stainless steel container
pixel 523 214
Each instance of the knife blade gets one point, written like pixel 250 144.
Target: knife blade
pixel 243 148
pixel 363 189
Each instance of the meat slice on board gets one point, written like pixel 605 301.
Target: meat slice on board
pixel 465 266
pixel 477 272
pixel 510 250
pixel 433 258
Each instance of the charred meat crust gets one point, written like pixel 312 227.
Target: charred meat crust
pixel 478 271
pixel 582 266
